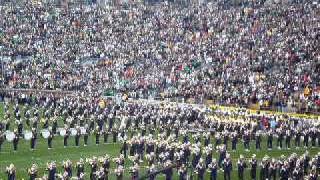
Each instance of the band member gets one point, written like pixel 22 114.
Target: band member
pixel 306 138
pixel 297 173
pixel 318 137
pixel 77 136
pixel 119 172
pixel 246 140
pixel 80 168
pixel 33 172
pixel 284 173
pixel 33 138
pixel 2 138
pixel 15 140
pixel 150 158
pixel 27 116
pixel 65 137
pixel 273 170
pixel 279 135
pixel 241 167
pixel 218 139
pixel 269 140
pixel 207 139
pixel 185 136
pixel 196 156
pixel 168 171
pixel 264 168
pixel 97 132
pixel 134 172
pixel 11 172
pixel 150 145
pixel 94 166
pixel 313 136
pixel 306 162
pixel 50 138
pixel 297 138
pixel 45 122
pixel 54 125
pixel 86 135
pixel 227 167
pixel 234 141
pixel 196 136
pixel 114 134
pixel 200 170
pixel 208 152
pixel 20 127
pixel 313 174
pixel 91 123
pixel 7 122
pixel 51 167
pixel 120 160
pixel 81 176
pixel 100 174
pixel 258 140
pixel 64 176
pixel 288 139
pixel 35 121
pixel 152 172
pixel 225 138
pixel 124 148
pixel 213 168
pixel 253 171
pixel 67 165
pixel 222 152
pixel 105 135
pixel 106 165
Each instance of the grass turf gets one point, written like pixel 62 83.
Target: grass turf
pixel 24 157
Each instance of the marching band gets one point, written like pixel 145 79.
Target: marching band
pixel 197 149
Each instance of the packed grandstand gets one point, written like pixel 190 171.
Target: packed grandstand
pixel 180 88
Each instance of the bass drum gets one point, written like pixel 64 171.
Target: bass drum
pixel 73 131
pixel 62 132
pixel 45 133
pixel 9 136
pixel 83 130
pixel 27 135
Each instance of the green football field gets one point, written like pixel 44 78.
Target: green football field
pixel 24 157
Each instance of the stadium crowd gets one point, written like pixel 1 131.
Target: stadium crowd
pixel 235 55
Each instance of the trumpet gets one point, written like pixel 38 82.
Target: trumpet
pixel 134 168
pixel 101 159
pixel 88 160
pixel 116 160
pixel 91 160
pixel 148 156
pixel 10 169
pixel 118 171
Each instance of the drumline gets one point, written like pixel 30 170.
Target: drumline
pixel 45 133
pixel 9 136
pixel 27 135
